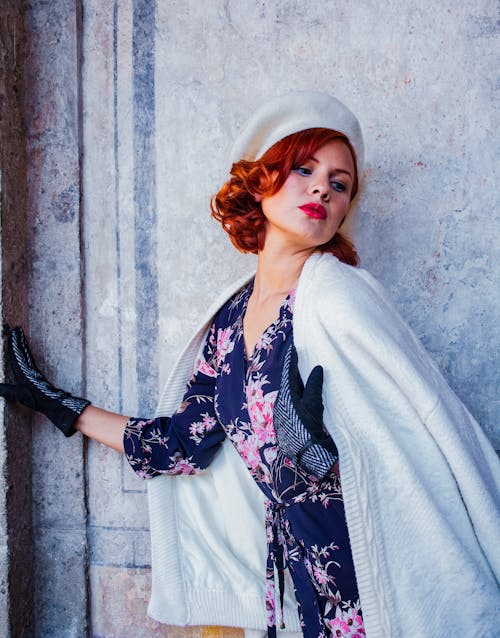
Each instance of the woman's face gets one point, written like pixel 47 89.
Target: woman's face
pixel 310 206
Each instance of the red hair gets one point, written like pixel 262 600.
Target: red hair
pixel 234 206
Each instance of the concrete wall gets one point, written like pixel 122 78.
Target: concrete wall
pixel 56 319
pixel 16 548
pixel 174 85
pixel 131 109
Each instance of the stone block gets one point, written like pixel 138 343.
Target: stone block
pixel 61 577
pixel 119 604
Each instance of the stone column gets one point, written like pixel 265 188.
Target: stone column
pixel 57 335
pixel 16 551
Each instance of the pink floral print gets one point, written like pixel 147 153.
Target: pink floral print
pixel 198 429
pixel 204 368
pixel 224 343
pixel 231 395
pixel 260 406
pixel 348 622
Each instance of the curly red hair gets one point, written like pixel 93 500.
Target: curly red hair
pixel 234 206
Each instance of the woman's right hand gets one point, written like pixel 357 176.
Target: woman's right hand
pixel 31 388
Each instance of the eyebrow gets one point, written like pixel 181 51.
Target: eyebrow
pixel 335 170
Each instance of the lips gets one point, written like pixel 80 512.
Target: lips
pixel 316 211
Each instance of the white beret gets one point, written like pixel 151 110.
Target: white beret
pixel 291 113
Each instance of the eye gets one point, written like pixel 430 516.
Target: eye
pixel 338 186
pixel 303 170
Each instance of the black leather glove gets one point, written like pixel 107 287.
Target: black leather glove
pixel 32 389
pixel 298 419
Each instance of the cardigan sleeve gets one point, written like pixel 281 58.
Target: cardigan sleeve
pixel 186 442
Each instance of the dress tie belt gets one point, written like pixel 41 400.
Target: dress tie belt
pixel 277 535
pixel 283 549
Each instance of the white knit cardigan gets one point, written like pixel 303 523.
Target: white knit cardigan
pixel 420 481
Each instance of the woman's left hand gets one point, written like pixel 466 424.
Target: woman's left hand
pixel 298 419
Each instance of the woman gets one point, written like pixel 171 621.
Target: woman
pixel 411 529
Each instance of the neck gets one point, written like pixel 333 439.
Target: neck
pixel 278 271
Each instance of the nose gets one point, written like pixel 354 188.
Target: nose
pixel 321 188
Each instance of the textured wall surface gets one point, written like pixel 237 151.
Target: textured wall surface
pixel 131 109
pixel 53 129
pixel 166 88
pixel 16 552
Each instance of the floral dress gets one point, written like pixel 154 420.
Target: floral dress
pixel 232 395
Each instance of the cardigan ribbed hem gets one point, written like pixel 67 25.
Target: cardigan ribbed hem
pixel 230 610
pixel 169 578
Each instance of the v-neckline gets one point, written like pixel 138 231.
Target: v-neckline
pixel 246 358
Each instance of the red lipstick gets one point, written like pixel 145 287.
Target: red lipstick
pixel 316 211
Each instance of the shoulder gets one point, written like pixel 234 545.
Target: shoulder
pixel 337 292
pixel 344 317
pixel 347 309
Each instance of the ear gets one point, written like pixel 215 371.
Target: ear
pixel 257 198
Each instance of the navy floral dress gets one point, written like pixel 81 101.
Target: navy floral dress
pixel 232 395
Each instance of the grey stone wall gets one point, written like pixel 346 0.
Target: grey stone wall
pixel 16 552
pixel 130 109
pixel 421 78
pixel 56 318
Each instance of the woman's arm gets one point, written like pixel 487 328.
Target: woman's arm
pixel 182 444
pixel 67 412
pixel 102 426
